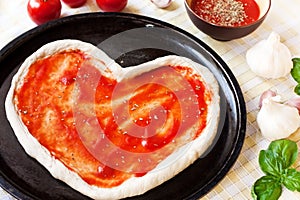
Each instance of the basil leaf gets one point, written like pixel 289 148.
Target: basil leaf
pixel 270 164
pixel 285 151
pixel 267 188
pixel 297 89
pixel 275 163
pixel 291 179
pixel 295 72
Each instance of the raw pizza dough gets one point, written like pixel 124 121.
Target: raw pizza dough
pixel 134 185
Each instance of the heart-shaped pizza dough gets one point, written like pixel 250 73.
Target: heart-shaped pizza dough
pixel 112 132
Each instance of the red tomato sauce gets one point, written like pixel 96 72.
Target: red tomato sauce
pixel 148 122
pixel 227 12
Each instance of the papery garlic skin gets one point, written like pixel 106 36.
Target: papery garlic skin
pixel 270 58
pixel 294 102
pixel 277 120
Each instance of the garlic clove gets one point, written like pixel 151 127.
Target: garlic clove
pixel 266 94
pixel 277 120
pixel 270 58
pixel 294 102
pixel 162 3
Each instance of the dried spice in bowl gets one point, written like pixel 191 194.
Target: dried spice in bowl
pixel 230 13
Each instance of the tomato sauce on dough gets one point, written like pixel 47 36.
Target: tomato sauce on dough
pixel 108 131
pixel 227 12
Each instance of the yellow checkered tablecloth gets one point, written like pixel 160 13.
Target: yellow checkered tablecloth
pixel 283 19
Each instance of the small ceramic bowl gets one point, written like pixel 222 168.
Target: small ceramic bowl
pixel 226 33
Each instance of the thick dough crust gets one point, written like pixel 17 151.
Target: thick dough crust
pixel 132 186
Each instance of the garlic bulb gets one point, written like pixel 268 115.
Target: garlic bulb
pixel 270 58
pixel 162 3
pixel 277 120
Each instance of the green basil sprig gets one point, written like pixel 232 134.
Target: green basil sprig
pixel 276 163
pixel 295 72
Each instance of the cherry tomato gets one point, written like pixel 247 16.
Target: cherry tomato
pixel 41 11
pixel 112 5
pixel 74 3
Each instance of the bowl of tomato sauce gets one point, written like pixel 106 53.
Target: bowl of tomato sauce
pixel 227 19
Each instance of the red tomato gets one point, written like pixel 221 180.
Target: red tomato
pixel 112 5
pixel 41 11
pixel 74 3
